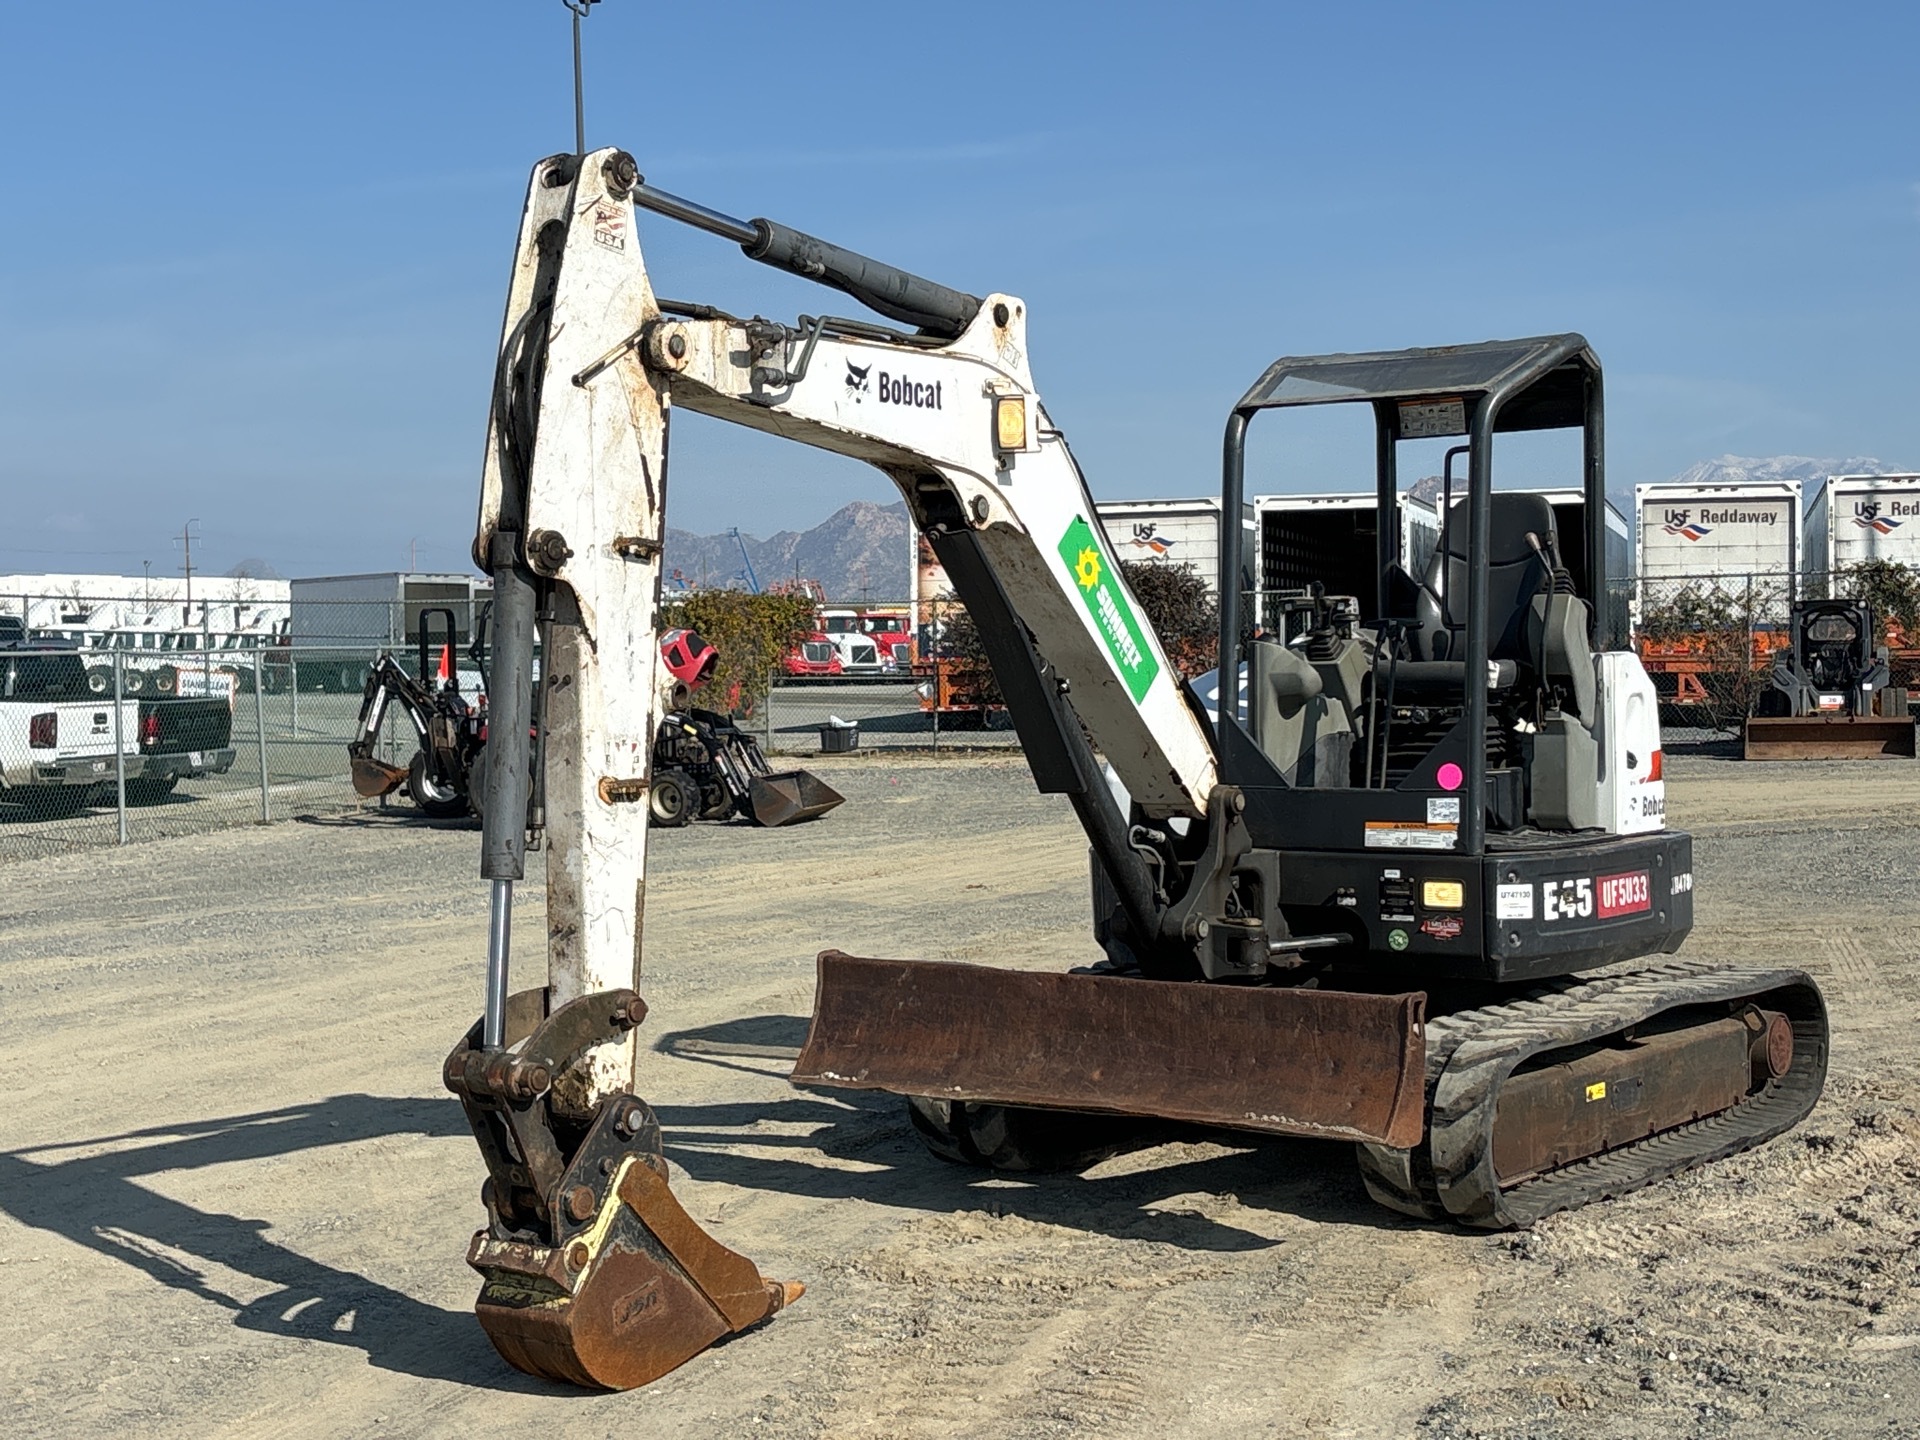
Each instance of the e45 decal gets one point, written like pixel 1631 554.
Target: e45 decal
pixel 1603 897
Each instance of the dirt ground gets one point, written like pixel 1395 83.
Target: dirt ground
pixel 234 1199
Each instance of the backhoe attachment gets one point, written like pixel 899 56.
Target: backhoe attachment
pixel 593 1273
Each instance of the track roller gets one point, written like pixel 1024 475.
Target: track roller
pixel 1589 1089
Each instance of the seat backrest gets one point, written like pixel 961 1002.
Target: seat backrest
pixel 1515 574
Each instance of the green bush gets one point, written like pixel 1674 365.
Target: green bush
pixel 1892 589
pixel 1180 606
pixel 753 633
pixel 1718 623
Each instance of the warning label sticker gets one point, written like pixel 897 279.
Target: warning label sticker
pixel 1110 608
pixel 1409 835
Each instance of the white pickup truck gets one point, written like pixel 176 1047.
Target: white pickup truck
pixel 56 737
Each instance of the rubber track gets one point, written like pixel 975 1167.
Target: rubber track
pixel 1471 1053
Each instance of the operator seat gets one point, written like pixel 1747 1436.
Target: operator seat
pixel 1515 574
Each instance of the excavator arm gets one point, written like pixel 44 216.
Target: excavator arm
pixel 592 1272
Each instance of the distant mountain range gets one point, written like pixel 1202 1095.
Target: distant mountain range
pixel 1734 469
pixel 860 552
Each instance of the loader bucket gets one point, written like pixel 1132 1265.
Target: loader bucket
pixel 641 1294
pixel 373 779
pixel 789 797
pixel 1323 1063
pixel 1824 737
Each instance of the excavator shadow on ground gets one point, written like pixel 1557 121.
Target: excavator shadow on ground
pixel 398 818
pixel 89 1192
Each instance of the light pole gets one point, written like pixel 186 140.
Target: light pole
pixel 579 9
pixel 186 541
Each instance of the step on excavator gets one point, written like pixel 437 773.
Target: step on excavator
pixel 1407 887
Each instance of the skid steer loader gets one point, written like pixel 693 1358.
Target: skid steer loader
pixel 1831 696
pixel 1361 901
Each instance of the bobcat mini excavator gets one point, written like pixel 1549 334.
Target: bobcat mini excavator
pixel 1357 903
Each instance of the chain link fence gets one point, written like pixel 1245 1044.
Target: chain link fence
pixel 163 730
pixel 1710 641
pixel 119 734
pixel 884 675
pixel 114 732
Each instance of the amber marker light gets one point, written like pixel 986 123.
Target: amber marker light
pixel 1010 422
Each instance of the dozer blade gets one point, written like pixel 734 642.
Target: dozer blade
pixel 1323 1063
pixel 373 779
pixel 789 797
pixel 638 1294
pixel 1823 737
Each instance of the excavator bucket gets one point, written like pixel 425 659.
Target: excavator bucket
pixel 1322 1063
pixel 1824 737
pixel 372 779
pixel 789 797
pixel 640 1294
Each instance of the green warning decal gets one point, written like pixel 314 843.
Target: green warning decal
pixel 1110 608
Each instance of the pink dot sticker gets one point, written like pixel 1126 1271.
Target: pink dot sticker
pixel 1449 775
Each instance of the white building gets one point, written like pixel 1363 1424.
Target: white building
pixel 148 613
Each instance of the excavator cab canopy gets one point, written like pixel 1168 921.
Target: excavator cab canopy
pixel 1474 392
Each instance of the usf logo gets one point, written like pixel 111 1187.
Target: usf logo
pixel 1866 515
pixel 1681 523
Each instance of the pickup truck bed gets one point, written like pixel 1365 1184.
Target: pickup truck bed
pixel 181 739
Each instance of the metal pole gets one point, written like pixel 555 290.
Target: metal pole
pixel 766 720
pixel 579 9
pixel 119 752
pixel 293 694
pixel 260 734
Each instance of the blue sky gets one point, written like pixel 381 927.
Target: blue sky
pixel 252 257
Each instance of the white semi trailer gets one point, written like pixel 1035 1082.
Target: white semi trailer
pixel 1860 517
pixel 1172 532
pixel 1330 538
pixel 1728 536
pixel 340 623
